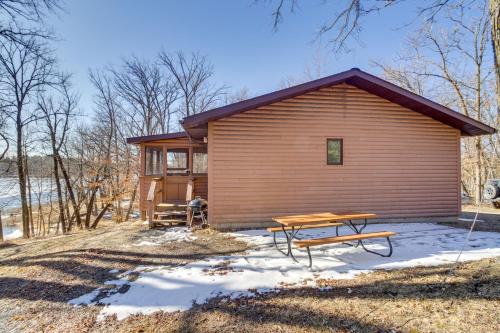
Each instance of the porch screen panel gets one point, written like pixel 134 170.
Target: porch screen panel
pixel 154 161
pixel 177 162
pixel 200 161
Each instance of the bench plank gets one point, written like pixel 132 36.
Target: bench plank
pixel 341 239
pixel 296 220
pixel 312 226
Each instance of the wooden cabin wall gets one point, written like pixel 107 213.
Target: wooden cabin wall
pixel 271 161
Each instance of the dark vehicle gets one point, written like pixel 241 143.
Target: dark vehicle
pixel 492 192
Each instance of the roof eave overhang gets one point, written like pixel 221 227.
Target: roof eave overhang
pixel 150 138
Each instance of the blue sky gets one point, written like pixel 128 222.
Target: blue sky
pixel 236 36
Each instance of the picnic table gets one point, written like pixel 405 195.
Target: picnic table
pixel 293 224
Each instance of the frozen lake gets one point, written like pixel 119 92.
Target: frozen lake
pixel 42 188
pixel 11 232
pixel 10 200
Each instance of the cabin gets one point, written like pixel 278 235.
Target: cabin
pixel 346 142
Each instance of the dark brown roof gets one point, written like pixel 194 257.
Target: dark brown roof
pixel 196 125
pixel 139 139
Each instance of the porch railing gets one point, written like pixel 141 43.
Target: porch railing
pixel 155 189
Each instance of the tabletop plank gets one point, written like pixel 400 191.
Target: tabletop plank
pixel 297 220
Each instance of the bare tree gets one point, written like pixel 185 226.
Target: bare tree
pixel 110 146
pixel 237 96
pixel 4 148
pixel 495 41
pixel 88 156
pixel 57 112
pixel 347 21
pixel 451 65
pixel 22 20
pixel 4 136
pixel 314 69
pixel 147 95
pixel 193 75
pixel 25 72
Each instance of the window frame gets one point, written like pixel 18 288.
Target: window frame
pixel 341 140
pixel 183 150
pixel 162 150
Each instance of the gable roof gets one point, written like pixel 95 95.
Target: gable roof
pixel 196 125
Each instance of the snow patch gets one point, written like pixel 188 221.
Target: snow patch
pixel 263 269
pixel 175 234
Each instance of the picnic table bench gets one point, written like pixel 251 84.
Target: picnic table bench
pixel 292 225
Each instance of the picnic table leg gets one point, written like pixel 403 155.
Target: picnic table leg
pixel 353 227
pixel 289 237
pixel 359 231
pixel 288 242
pixel 310 257
pixel 364 226
pixel 378 253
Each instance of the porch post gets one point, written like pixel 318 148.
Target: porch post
pixel 190 159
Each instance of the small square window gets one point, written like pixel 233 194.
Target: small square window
pixel 334 151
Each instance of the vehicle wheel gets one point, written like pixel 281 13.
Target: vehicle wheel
pixel 491 192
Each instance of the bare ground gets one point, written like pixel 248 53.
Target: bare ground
pixel 488 218
pixel 37 278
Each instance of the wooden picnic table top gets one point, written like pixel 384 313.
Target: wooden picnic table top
pixel 306 219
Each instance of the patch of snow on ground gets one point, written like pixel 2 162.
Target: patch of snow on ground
pixel 264 268
pixel 175 234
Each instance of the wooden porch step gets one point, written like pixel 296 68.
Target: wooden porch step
pixel 170 205
pixel 170 213
pixel 169 221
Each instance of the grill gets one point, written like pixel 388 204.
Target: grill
pixel 197 209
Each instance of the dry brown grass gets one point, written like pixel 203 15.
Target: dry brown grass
pixel 37 278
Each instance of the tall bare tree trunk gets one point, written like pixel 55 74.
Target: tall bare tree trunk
pixel 495 40
pixel 1 227
pixel 132 199
pixel 477 172
pixel 101 214
pixel 69 189
pixel 60 200
pixel 22 178
pixel 90 206
pixel 49 217
pixel 30 199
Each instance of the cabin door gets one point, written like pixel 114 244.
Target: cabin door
pixel 175 188
pixel 177 175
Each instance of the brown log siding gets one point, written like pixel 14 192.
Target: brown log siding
pixel 271 161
